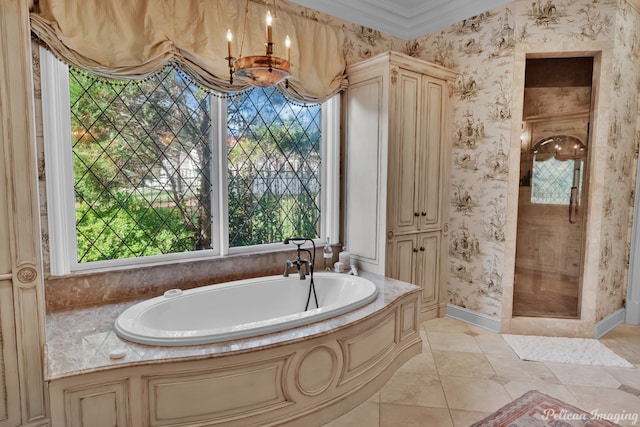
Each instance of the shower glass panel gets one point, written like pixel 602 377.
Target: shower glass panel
pixel 553 182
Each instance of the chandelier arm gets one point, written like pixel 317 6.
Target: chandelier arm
pixel 244 28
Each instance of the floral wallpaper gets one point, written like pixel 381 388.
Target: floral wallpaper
pixel 622 159
pixel 482 50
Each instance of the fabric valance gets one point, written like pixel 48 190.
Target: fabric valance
pixel 130 39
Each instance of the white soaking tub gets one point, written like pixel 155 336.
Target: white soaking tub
pixel 241 309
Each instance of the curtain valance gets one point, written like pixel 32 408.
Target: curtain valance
pixel 134 38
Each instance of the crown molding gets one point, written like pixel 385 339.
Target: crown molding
pixel 405 19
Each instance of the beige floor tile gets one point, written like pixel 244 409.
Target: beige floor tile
pixel 364 415
pixel 409 416
pixel 627 376
pixel 466 418
pixel 446 341
pixel 622 348
pixel 623 331
pixel 521 370
pixel 462 364
pixel 559 391
pixel 494 344
pixel 410 388
pixel 375 397
pixel 583 375
pixel 481 331
pixel 446 385
pixel 425 341
pixel 445 324
pixel 422 363
pixel 609 401
pixel 633 344
pixel 474 394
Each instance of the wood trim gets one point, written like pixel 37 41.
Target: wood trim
pixel 20 222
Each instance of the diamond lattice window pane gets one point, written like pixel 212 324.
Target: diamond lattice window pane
pixel 273 168
pixel 142 165
pixel 552 181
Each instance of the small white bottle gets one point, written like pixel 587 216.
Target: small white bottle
pixel 327 254
pixel 345 257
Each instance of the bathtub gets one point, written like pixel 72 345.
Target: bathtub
pixel 240 309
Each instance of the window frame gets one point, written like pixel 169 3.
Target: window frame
pixel 59 182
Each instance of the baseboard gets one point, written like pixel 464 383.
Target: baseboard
pixel 632 312
pixel 474 318
pixel 609 323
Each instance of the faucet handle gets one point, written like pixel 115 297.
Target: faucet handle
pixel 287 265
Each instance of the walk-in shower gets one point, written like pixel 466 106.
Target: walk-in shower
pixel 553 187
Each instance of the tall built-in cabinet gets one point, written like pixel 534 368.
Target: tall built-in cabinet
pixel 23 394
pixel 396 169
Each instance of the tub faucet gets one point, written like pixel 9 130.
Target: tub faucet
pixel 304 266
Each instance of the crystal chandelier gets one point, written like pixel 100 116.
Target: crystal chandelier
pixel 259 70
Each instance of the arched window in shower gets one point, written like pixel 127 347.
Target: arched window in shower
pixel 557 171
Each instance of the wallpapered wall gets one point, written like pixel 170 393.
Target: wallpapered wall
pixel 482 50
pixel 622 158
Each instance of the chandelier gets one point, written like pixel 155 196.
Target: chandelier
pixel 259 70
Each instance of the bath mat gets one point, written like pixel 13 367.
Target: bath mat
pixel 535 409
pixel 579 351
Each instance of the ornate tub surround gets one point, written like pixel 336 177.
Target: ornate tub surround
pixel 301 376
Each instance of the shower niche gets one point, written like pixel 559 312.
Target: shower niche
pixel 553 187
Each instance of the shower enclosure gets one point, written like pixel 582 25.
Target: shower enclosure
pixel 553 187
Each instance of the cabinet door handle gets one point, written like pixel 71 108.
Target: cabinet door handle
pixel 416 214
pixel 415 249
pixel 423 213
pixel 421 248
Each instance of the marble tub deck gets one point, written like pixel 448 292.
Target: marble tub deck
pixel 80 341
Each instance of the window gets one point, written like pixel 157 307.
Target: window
pixel 162 169
pixel 552 181
pixel 557 170
pixel 273 168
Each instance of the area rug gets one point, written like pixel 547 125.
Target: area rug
pixel 580 351
pixel 535 409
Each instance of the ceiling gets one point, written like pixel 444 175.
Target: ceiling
pixel 406 19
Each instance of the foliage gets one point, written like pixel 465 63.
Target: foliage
pixel 132 230
pixel 133 143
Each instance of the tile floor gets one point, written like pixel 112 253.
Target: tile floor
pixel 465 373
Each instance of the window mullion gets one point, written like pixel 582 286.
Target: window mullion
pixel 330 169
pixel 220 197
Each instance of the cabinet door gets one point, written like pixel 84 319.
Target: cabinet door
pixel 95 405
pixel 428 267
pixel 403 152
pixel 403 256
pixel 431 154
